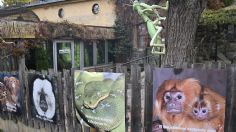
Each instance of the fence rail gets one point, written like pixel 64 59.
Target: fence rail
pixel 139 100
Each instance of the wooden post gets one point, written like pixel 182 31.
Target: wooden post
pixel 67 101
pixel 136 99
pixel 23 85
pixel 61 121
pixel 123 69
pixel 148 98
pixel 230 99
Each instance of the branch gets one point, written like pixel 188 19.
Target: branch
pixel 5 56
pixel 2 41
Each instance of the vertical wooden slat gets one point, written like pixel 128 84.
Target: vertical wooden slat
pixel 73 102
pixel 136 99
pixel 68 101
pixel 148 98
pixel 22 79
pixel 233 116
pixel 123 69
pixel 230 99
pixel 61 117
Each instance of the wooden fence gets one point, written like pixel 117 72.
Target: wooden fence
pixel 7 61
pixel 139 94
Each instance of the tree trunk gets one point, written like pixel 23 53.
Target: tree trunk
pixel 183 16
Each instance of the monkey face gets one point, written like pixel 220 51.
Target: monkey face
pixel 174 101
pixel 12 83
pixel 201 110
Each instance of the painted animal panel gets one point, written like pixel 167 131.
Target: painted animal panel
pixel 13 84
pixel 186 103
pixel 6 101
pixel 43 98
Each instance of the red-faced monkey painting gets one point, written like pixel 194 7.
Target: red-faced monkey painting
pixel 189 100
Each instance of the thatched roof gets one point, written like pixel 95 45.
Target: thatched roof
pixel 21 29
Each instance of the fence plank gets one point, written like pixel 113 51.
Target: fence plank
pixel 22 79
pixel 68 100
pixel 123 69
pixel 230 121
pixel 136 99
pixel 61 117
pixel 148 98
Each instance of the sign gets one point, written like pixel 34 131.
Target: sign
pixel 42 97
pixel 189 100
pixel 64 51
pixel 10 93
pixel 100 100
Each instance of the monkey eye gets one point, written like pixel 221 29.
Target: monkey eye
pixel 167 97
pixel 204 111
pixel 195 111
pixel 179 97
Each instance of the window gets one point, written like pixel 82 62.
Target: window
pixel 61 13
pixel 101 52
pixel 95 9
pixel 64 55
pixel 77 55
pixel 88 53
pixel 111 54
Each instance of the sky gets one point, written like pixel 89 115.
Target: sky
pixel 0 2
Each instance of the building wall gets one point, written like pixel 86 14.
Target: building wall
pixel 80 13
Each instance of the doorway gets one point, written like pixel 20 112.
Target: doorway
pixel 63 54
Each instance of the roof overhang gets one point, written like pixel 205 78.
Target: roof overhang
pixel 25 30
pixel 52 3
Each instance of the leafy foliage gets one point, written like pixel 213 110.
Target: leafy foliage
pixel 123 31
pixel 222 16
pixel 14 2
pixel 228 2
pixel 42 59
pixel 123 45
pixel 217 4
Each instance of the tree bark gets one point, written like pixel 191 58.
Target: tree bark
pixel 182 21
